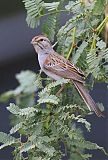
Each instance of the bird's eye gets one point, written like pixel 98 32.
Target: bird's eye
pixel 41 40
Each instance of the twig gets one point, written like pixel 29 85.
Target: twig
pixel 60 90
pixel 73 43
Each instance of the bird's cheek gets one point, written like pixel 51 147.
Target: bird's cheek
pixel 37 49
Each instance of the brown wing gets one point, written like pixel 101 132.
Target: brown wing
pixel 62 67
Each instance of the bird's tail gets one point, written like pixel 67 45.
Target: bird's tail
pixel 87 98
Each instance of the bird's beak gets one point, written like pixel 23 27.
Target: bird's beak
pixel 33 42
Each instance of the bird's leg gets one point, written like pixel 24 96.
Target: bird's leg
pixel 60 90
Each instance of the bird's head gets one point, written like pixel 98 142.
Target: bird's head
pixel 41 44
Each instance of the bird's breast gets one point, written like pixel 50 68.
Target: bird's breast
pixel 41 59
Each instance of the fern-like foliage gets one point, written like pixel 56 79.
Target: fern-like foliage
pixel 47 125
pixel 6 139
pixel 34 9
pixel 46 96
pixel 98 61
pixel 49 26
pixel 17 111
pixel 16 128
pixel 51 6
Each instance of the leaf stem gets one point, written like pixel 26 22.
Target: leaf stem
pixel 58 11
pixel 93 45
pixel 98 29
pixel 53 12
pixel 102 24
pixel 73 43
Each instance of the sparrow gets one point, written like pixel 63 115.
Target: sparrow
pixel 56 66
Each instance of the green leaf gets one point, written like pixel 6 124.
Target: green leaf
pixel 14 109
pixel 49 99
pixel 33 22
pixel 86 156
pixel 46 97
pixel 37 158
pixel 99 7
pixel 48 88
pixel 51 6
pixel 45 148
pixel 101 107
pixel 6 139
pixel 79 52
pixel 27 146
pixel 27 111
pixel 34 9
pixel 37 131
pixel 72 107
pixel 37 143
pixel 49 26
pixel 29 82
pixel 6 96
pixel 95 62
pixel 16 128
pixel 101 44
pixel 73 6
pixel 84 121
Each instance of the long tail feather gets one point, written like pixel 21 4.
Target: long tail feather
pixel 87 98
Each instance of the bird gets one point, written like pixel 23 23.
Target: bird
pixel 56 67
